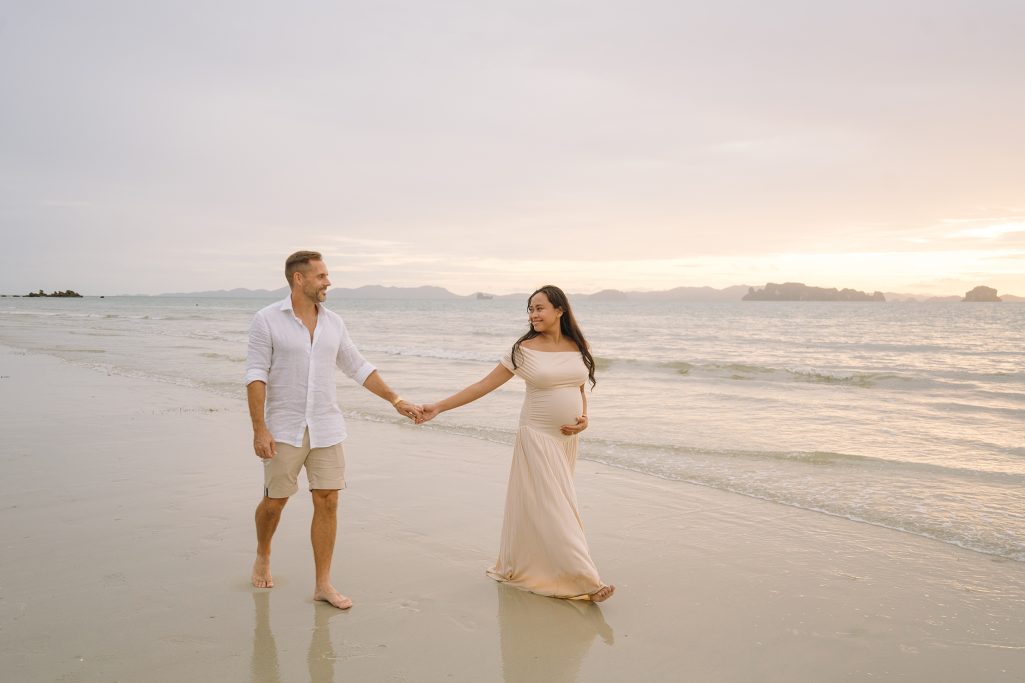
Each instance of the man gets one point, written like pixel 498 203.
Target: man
pixel 294 346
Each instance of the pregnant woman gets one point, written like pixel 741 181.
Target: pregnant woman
pixel 543 548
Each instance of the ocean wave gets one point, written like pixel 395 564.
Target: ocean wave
pixel 976 409
pixel 223 356
pixel 902 379
pixel 236 338
pixel 843 485
pixel 439 354
pixel 663 453
pixel 857 495
pixel 68 349
pixel 490 434
pixel 210 316
pixel 41 314
pixel 767 373
pixel 1010 396
pixel 856 379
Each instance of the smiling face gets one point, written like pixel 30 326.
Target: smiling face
pixel 313 281
pixel 542 315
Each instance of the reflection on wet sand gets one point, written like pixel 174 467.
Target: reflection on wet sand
pixel 546 639
pixel 320 658
pixel 264 663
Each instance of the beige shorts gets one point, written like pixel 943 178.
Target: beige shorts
pixel 325 468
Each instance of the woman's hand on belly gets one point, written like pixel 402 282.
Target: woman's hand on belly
pixel 566 409
pixel 575 428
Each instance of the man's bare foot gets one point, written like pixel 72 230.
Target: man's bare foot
pixel 329 595
pixel 261 573
pixel 602 594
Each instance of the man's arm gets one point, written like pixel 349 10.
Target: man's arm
pixel 375 384
pixel 263 440
pixel 355 366
pixel 258 356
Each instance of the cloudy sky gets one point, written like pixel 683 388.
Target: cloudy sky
pixel 158 146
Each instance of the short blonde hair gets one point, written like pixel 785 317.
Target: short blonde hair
pixel 300 261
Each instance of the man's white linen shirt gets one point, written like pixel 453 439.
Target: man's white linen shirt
pixel 299 375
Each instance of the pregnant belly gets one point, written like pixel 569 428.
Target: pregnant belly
pixel 549 409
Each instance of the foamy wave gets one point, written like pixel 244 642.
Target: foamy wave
pixel 858 494
pixel 223 356
pixel 793 483
pixel 764 373
pixel 238 338
pixel 41 314
pixel 855 379
pixel 439 354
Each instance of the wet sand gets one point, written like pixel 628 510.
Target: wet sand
pixel 126 529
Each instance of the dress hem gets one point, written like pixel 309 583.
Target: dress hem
pixel 501 579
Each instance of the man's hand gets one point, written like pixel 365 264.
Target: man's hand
pixel 263 443
pixel 410 410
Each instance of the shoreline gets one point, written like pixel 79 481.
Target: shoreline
pixel 112 570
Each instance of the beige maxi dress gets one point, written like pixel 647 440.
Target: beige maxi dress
pixel 543 549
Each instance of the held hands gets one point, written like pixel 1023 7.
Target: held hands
pixel 572 429
pixel 411 410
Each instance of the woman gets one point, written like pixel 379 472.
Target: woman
pixel 543 548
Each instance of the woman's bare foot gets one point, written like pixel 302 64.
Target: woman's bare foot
pixel 261 573
pixel 329 595
pixel 602 594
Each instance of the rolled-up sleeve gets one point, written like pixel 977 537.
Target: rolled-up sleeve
pixel 258 355
pixel 351 361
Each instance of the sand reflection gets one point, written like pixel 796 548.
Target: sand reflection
pixel 320 659
pixel 264 664
pixel 546 639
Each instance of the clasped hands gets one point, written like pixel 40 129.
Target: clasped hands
pixel 426 412
pixel 416 412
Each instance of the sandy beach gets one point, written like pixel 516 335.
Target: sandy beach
pixel 127 538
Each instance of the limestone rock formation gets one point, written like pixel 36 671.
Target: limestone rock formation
pixel 797 291
pixel 982 293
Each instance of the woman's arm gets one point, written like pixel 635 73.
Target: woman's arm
pixel 496 378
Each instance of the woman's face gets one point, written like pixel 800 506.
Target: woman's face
pixel 542 315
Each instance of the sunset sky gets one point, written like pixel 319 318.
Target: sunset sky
pixel 148 147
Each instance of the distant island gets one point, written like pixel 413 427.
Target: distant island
pixel 67 293
pixel 982 294
pixel 378 292
pixel 375 292
pixel 797 291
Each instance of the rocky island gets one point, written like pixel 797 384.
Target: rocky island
pixel 67 293
pixel 797 291
pixel 982 294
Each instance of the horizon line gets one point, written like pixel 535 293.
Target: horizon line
pixel 521 293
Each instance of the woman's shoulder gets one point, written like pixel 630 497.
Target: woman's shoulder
pixel 566 345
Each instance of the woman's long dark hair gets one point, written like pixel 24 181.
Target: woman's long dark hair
pixel 568 325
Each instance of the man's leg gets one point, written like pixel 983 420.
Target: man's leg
pixel 280 476
pixel 322 535
pixel 268 514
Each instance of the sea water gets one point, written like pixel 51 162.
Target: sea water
pixel 904 415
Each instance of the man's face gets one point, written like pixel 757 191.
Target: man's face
pixel 314 282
